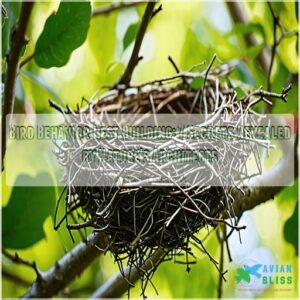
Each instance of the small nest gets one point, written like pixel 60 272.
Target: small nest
pixel 138 220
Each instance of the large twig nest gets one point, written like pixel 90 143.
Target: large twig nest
pixel 138 220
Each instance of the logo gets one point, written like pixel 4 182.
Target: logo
pixel 259 276
pixel 243 274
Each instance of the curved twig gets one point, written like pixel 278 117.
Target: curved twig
pixel 105 10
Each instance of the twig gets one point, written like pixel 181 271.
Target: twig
pixel 182 75
pixel 228 249
pixel 173 63
pixel 276 43
pixel 18 41
pixel 67 268
pixel 117 285
pixel 274 46
pixel 105 10
pixel 206 74
pixel 18 260
pixel 281 96
pixel 134 59
pixel 156 11
pixel 57 107
pixel 221 262
pixel 175 66
pixel 26 60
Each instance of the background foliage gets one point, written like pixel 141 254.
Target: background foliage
pixel 92 51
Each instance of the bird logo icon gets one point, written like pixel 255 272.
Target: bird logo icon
pixel 243 274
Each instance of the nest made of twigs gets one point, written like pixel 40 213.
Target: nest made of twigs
pixel 139 220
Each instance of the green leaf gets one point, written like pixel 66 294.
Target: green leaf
pixel 249 28
pixel 197 82
pixel 63 33
pixel 130 34
pixel 115 69
pixel 254 51
pixel 288 194
pixel 278 7
pixel 291 229
pixel 193 51
pixel 27 209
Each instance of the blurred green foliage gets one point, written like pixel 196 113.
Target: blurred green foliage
pixel 190 32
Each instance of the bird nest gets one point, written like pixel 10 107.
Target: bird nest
pixel 138 220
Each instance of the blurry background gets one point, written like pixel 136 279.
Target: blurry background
pixel 190 32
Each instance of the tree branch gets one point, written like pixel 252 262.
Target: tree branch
pixel 265 186
pixel 116 286
pixel 274 46
pixel 66 269
pixel 18 41
pixel 222 241
pixel 18 260
pixel 134 59
pixel 105 10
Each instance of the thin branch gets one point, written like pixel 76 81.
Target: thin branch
pixel 67 268
pixel 18 260
pixel 173 63
pixel 116 286
pixel 105 10
pixel 281 96
pixel 157 10
pixel 228 249
pixel 267 185
pixel 26 60
pixel 135 58
pixel 274 46
pixel 276 42
pixel 18 41
pixel 221 261
pixel 206 74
